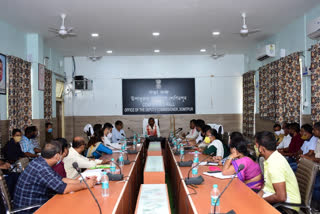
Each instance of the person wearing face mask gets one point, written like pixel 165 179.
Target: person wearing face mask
pixel 251 174
pixel 278 132
pixel 296 142
pixel 75 155
pixel 285 143
pixel 214 144
pixel 280 183
pixel 38 180
pixel 203 130
pixel 34 139
pixel 26 143
pixel 49 130
pixel 12 150
pixel 107 137
pixel 96 147
pixel 59 167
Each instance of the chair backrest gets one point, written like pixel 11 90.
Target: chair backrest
pixel 217 127
pixel 306 176
pixel 5 196
pixel 24 162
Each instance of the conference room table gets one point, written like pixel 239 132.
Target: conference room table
pixel 188 200
pixel 122 198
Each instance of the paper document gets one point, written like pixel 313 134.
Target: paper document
pixel 218 175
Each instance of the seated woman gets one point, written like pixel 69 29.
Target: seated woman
pixel 215 146
pixel 251 174
pixel 96 147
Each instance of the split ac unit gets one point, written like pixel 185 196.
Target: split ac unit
pixel 266 52
pixel 313 29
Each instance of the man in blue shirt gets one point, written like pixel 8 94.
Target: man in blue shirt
pixel 26 143
pixel 38 179
pixel 118 133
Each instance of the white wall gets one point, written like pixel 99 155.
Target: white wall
pixel 221 94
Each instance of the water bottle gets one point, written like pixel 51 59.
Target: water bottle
pixel 121 158
pixel 139 138
pixel 104 184
pixel 134 143
pixel 112 166
pixel 196 157
pixel 194 171
pixel 181 152
pixel 123 145
pixel 214 199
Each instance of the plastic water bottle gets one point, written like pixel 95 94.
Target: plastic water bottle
pixel 181 152
pixel 112 166
pixel 123 146
pixel 195 169
pixel 134 143
pixel 214 199
pixel 196 157
pixel 121 158
pixel 139 138
pixel 105 184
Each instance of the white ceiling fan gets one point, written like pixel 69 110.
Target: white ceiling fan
pixel 244 32
pixel 63 32
pixel 94 58
pixel 215 55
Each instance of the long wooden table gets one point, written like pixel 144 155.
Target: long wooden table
pixel 238 196
pixel 122 199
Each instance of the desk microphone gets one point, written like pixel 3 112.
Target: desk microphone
pixel 197 180
pixel 241 166
pixel 115 177
pixel 76 167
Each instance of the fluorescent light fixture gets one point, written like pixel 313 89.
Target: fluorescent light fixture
pixel 109 51
pixel 155 34
pixel 216 33
pixel 157 51
pixel 95 35
pixel 203 50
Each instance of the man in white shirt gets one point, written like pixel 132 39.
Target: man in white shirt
pixel 193 134
pixel 118 133
pixel 286 139
pixel 199 125
pixel 310 143
pixel 78 146
pixel 107 138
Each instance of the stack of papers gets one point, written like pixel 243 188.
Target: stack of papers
pixel 218 175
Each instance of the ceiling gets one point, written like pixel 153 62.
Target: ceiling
pixel 126 26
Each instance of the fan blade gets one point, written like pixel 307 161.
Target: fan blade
pixel 70 29
pixel 254 31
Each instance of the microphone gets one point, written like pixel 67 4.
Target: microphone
pixel 76 167
pixel 115 177
pixel 197 180
pixel 177 131
pixel 241 166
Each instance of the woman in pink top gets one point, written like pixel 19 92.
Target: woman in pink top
pixel 251 174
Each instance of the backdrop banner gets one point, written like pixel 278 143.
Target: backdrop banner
pixel 158 96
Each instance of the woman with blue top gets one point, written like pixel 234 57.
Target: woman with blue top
pixel 96 147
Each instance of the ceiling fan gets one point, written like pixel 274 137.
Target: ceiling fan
pixel 244 32
pixel 215 55
pixel 94 58
pixel 63 32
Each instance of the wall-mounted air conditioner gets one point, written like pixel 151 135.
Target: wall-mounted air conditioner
pixel 266 52
pixel 81 83
pixel 313 29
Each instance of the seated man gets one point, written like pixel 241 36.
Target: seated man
pixel 193 134
pixel 152 129
pixel 34 140
pixel 118 133
pixel 38 179
pixel 280 182
pixel 278 132
pixel 78 146
pixel 286 139
pixel 26 143
pixel 296 142
pixel 12 150
pixel 107 138
pixel 200 136
pixel 59 167
pixel 49 130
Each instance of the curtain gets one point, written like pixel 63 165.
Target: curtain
pixel 19 96
pixel 315 83
pixel 267 79
pixel 48 95
pixel 280 90
pixel 248 104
